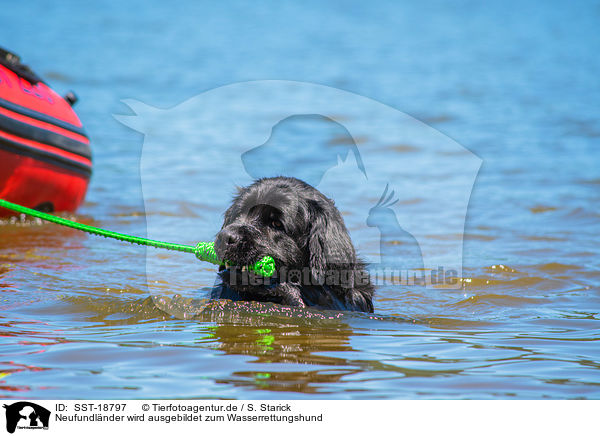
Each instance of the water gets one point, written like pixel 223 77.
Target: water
pixel 516 84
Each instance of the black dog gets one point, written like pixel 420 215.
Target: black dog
pixel 304 232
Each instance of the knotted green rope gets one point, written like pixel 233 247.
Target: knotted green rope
pixel 203 250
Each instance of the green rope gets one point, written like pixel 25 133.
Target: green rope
pixel 204 251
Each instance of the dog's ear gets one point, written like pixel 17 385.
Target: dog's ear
pixel 329 243
pixel 316 248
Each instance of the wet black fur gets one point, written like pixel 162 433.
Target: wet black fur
pixel 304 232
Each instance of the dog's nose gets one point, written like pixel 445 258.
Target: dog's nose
pixel 225 238
pixel 230 237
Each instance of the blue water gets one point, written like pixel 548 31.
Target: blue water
pixel 514 83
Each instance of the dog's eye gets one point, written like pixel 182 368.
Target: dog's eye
pixel 277 224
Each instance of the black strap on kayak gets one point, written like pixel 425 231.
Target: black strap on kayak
pixel 13 63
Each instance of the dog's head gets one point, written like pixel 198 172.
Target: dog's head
pixel 289 220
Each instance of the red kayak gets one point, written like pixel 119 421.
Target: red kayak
pixel 45 156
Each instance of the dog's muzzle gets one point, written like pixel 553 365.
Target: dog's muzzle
pixel 237 243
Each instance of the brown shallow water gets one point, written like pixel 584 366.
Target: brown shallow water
pixel 75 325
pixel 85 317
